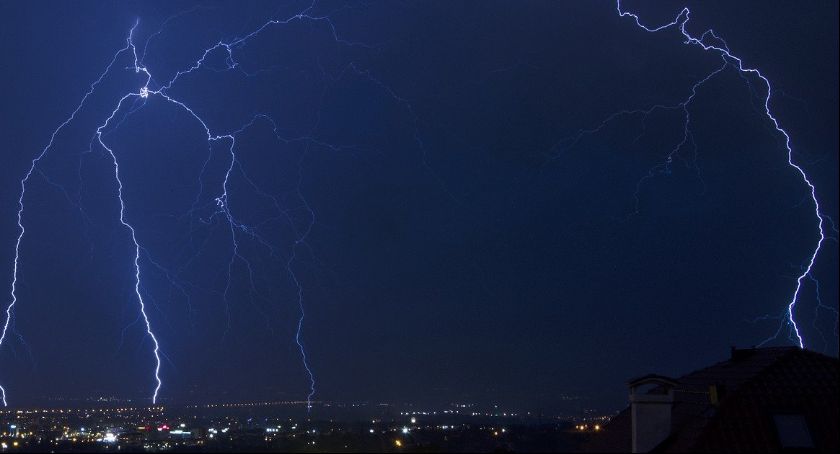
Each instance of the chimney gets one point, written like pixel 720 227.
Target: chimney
pixel 651 411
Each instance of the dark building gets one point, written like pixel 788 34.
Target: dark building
pixel 759 400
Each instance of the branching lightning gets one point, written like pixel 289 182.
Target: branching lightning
pixel 710 42
pixel 123 221
pixel 25 180
pixel 223 208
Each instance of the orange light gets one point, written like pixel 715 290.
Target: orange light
pixel 398 443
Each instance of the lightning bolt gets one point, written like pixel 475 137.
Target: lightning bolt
pixel 25 180
pixel 223 209
pixel 708 41
pixel 124 222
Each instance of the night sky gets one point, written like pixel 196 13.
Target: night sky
pixel 421 184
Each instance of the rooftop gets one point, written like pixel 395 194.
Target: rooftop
pixel 734 405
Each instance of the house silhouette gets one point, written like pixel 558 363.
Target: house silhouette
pixel 759 400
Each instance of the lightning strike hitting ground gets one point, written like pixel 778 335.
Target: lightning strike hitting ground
pixel 26 178
pixel 708 41
pixel 721 48
pixel 222 201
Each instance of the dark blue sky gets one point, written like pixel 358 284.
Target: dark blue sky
pixel 460 249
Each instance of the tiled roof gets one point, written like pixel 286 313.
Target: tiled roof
pixel 752 386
